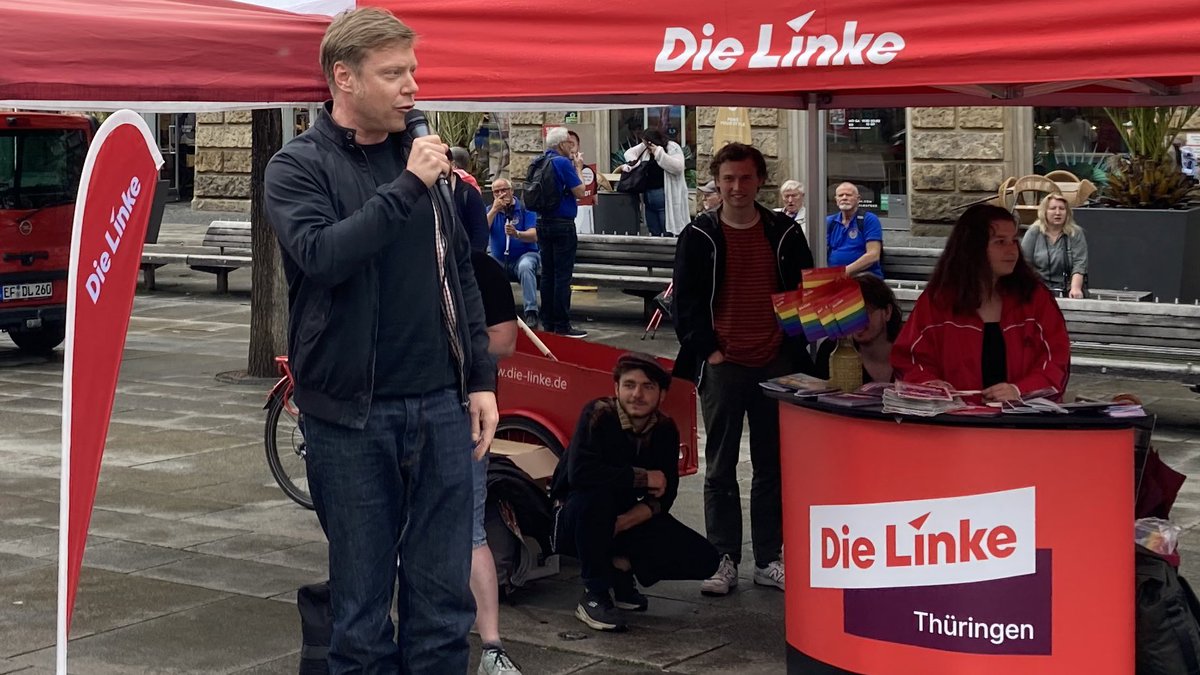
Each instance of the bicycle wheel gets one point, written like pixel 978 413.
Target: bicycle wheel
pixel 524 430
pixel 282 432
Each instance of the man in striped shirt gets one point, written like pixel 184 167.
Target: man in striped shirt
pixel 728 262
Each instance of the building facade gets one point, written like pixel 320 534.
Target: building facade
pixel 915 167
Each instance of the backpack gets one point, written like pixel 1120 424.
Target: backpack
pixel 518 521
pixel 1168 634
pixel 543 193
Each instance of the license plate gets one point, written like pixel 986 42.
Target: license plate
pixel 43 289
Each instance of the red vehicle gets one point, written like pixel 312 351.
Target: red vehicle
pixel 41 161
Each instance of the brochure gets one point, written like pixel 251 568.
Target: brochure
pixel 795 382
pixel 849 400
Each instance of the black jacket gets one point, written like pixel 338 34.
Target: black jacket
pixel 700 271
pixel 332 223
pixel 602 455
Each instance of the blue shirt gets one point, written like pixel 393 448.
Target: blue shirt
pixel 564 169
pixel 847 243
pixel 522 219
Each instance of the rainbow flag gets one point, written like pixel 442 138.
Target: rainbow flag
pixel 850 311
pixel 819 276
pixel 828 321
pixel 810 322
pixel 787 311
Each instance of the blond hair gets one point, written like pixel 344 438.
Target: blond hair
pixel 1070 227
pixel 356 32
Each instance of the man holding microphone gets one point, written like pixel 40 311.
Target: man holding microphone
pixel 389 350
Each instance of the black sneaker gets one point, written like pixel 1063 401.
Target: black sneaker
pixel 572 333
pixel 531 319
pixel 598 612
pixel 625 593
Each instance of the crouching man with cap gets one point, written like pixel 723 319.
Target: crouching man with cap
pixel 613 491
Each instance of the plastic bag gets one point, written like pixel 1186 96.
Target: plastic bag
pixel 1156 534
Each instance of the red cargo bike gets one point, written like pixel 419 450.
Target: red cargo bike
pixel 540 398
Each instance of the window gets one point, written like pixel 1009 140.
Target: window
pixel 1079 140
pixel 40 168
pixel 866 146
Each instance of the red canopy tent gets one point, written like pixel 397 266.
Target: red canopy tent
pixel 178 54
pixel 196 55
pixel 156 55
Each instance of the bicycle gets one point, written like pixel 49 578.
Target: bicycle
pixel 283 421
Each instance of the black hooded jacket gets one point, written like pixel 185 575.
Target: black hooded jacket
pixel 332 223
pixel 700 271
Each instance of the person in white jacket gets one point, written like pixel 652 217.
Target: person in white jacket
pixel 666 199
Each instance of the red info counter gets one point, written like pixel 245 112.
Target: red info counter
pixel 956 545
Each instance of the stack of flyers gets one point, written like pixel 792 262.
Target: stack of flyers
pixel 849 400
pixel 787 311
pixel 796 382
pixel 1127 410
pixel 931 391
pixel 922 400
pixel 920 407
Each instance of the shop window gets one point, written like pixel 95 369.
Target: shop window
pixel 1079 140
pixel 866 146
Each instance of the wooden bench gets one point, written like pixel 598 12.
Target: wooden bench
pixel 907 267
pixel 639 266
pixel 903 263
pixel 220 235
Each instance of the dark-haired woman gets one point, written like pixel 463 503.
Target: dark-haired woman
pixel 874 343
pixel 666 199
pixel 985 321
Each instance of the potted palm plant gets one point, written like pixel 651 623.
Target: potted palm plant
pixel 1144 234
pixel 459 129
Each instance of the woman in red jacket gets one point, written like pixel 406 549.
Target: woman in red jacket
pixel 985 321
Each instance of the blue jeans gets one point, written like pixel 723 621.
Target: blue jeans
pixel 401 487
pixel 557 242
pixel 656 211
pixel 525 270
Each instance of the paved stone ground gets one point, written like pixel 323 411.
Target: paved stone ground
pixel 195 554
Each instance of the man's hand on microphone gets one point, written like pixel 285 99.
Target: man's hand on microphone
pixel 427 159
pixel 484 418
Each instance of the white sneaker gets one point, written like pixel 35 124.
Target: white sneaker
pixel 771 575
pixel 725 580
pixel 496 662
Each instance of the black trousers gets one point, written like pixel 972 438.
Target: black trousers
pixel 729 394
pixel 660 548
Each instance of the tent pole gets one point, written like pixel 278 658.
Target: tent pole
pixel 815 192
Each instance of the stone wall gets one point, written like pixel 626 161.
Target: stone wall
pixel 767 132
pixel 222 162
pixel 956 156
pixel 525 139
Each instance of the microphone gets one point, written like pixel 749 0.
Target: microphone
pixel 418 126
